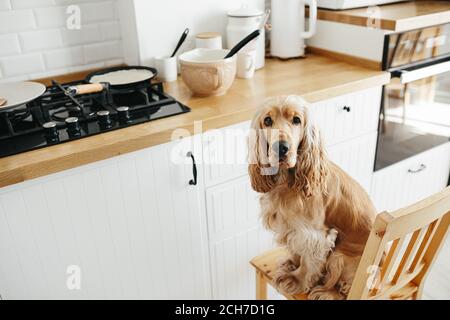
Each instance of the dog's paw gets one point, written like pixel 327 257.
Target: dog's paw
pixel 344 287
pixel 287 283
pixel 331 237
pixel 287 266
pixel 321 294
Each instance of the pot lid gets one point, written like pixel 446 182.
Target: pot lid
pixel 245 12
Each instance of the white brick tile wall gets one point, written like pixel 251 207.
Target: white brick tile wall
pixel 25 4
pixel 110 30
pixel 51 17
pixel 22 64
pixel 40 40
pixel 64 58
pixel 5 5
pixel 102 52
pixel 94 12
pixel 35 41
pixel 87 34
pixel 13 21
pixel 10 44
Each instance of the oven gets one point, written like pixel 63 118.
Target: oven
pixel 415 107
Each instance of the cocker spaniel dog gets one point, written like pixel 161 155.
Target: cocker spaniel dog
pixel 317 211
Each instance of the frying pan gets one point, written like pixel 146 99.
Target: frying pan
pixel 140 76
pixel 14 94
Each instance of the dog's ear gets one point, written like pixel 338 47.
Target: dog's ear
pixel 259 169
pixel 312 166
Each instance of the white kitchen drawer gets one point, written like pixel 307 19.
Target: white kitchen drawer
pixel 397 186
pixel 225 153
pixel 356 157
pixel 232 207
pixel 337 125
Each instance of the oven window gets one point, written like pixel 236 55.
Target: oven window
pixel 417 45
pixel 415 117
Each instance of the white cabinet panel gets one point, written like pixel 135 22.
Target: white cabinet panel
pixel 236 236
pixel 232 207
pixel 225 153
pixel 337 124
pixel 411 180
pixel 356 157
pixel 232 275
pixel 133 224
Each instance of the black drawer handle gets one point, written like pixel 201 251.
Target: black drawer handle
pixel 347 108
pixel 193 182
pixel 421 168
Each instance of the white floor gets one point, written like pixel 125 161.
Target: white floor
pixel 437 285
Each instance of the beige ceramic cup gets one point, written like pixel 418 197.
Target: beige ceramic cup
pixel 206 72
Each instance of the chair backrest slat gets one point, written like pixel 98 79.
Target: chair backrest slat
pixel 427 222
pixel 424 245
pixel 389 262
pixel 408 254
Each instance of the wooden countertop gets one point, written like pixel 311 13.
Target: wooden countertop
pixel 315 78
pixel 395 17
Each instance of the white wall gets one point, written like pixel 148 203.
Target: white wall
pixel 349 39
pixel 159 23
pixel 35 42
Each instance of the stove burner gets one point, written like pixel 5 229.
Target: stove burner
pixel 57 117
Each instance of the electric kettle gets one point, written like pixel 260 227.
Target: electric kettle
pixel 288 34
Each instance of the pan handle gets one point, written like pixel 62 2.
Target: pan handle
pixel 86 88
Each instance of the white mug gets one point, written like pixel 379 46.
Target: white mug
pixel 246 64
pixel 209 40
pixel 167 68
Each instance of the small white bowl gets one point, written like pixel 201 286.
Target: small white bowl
pixel 206 72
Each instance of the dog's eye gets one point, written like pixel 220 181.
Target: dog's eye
pixel 296 120
pixel 268 121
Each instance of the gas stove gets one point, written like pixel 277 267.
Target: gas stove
pixel 57 117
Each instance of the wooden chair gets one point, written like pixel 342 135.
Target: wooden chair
pixel 397 258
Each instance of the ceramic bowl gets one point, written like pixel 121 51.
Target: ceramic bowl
pixel 206 72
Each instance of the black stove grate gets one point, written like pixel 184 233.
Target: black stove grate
pixel 49 120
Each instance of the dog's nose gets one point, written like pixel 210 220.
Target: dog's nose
pixel 281 148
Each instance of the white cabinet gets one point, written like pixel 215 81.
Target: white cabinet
pixel 356 157
pixel 411 180
pixel 225 153
pixel 346 117
pixel 132 224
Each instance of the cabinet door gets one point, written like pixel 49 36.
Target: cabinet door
pixel 133 225
pixel 236 236
pixel 411 180
pixel 356 157
pixel 225 153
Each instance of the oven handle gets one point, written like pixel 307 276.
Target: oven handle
pixel 410 76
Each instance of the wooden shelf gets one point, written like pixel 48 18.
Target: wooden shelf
pixel 394 17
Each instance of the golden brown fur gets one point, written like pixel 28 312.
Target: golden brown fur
pixel 305 199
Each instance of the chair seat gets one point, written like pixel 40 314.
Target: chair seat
pixel 267 263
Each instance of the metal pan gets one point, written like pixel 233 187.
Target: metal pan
pixel 15 94
pixel 122 77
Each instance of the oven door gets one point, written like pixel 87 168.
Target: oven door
pixel 415 111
